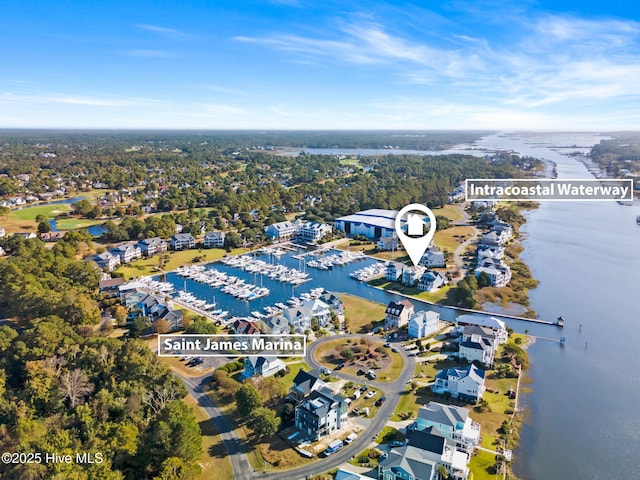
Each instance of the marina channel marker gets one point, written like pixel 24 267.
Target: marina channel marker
pixel 415 245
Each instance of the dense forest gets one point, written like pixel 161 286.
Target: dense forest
pixel 67 388
pixel 619 156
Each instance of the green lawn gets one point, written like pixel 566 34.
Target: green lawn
pixel 438 296
pixel 149 266
pixel 450 238
pixel 72 223
pixel 30 213
pixel 361 313
pixel 452 212
pixel 482 461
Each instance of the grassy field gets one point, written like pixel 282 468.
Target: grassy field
pixel 149 266
pixel 452 212
pixel 361 314
pixel 481 463
pixel 438 296
pixel 390 364
pixel 215 462
pixel 450 238
pixel 72 223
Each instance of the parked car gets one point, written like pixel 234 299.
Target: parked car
pixel 370 394
pixel 363 388
pixel 396 443
pixel 380 401
pixel 340 366
pixel 360 372
pixel 387 345
pixel 395 350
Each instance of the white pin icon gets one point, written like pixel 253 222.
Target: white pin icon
pixel 415 247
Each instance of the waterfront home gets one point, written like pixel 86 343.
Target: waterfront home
pixel 333 301
pixel 411 275
pixel 431 281
pixel 281 231
pixel 421 458
pixel 496 237
pixel 258 366
pixel 423 323
pixel 397 314
pixel 493 324
pixel 433 258
pixel 393 271
pixel 276 325
pixel 214 239
pixel 152 246
pixel 452 421
pixel 182 241
pixel 107 261
pixel 478 345
pixel 466 383
pixel 51 236
pixel 320 413
pixel 388 244
pixel 499 275
pixel 313 231
pixel 490 251
pixel 128 252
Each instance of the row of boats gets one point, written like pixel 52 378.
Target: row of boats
pixel 279 307
pixel 274 271
pixel 201 306
pixel 367 273
pixel 342 258
pixel 228 284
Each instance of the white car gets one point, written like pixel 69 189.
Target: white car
pixel 370 394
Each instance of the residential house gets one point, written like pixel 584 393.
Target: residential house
pixel 245 327
pixel 182 241
pixel 152 246
pixel 494 238
pixel 393 271
pixel 466 383
pixel 51 236
pixel 386 244
pixel 304 383
pixel 431 281
pixel 2 232
pixel 128 252
pixel 490 251
pixel 478 344
pixel 493 324
pixel 499 275
pixel 433 258
pixel 107 261
pixel 258 366
pixel 333 301
pixel 320 413
pixel 421 458
pixel 397 314
pixel 423 323
pixel 214 239
pixel 452 421
pixel 411 275
pixel 281 231
pixel 313 231
pixel 276 325
pixel 109 286
pixel 25 235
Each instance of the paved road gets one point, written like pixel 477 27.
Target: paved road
pixel 238 453
pixel 234 445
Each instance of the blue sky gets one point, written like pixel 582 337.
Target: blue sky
pixel 299 64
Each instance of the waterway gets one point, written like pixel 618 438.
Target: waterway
pixel 582 420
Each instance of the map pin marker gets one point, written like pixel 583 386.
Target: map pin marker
pixel 415 247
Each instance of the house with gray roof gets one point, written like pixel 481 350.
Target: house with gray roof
pixel 259 366
pixel 423 323
pixel 465 383
pixel 152 246
pixel 304 383
pixel 214 239
pixel 397 314
pixel 452 421
pixel 182 241
pixel 321 413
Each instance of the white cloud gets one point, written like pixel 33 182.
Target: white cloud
pixel 164 31
pixel 63 98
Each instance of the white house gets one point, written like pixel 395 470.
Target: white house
pixel 127 252
pixel 465 383
pixel 478 344
pixel 433 258
pixel 423 323
pixel 431 281
pixel 182 241
pixel 393 271
pixel 397 314
pixel 411 275
pixel 495 238
pixel 151 246
pixel 107 261
pixel 281 231
pixel 386 244
pixel 493 324
pixel 499 276
pixel 255 366
pixel 214 239
pixel 313 231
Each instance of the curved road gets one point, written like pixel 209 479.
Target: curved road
pixel 237 452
